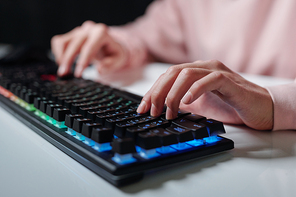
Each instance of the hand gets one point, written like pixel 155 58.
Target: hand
pixel 206 84
pixel 94 44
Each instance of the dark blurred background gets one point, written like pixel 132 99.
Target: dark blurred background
pixel 34 22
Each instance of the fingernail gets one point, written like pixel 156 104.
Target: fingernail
pixel 153 110
pixel 187 98
pixel 62 69
pixel 78 71
pixel 169 114
pixel 142 107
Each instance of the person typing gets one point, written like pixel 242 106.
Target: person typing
pixel 208 42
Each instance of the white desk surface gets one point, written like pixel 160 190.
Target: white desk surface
pixel 261 164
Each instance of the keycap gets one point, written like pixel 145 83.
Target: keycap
pixel 59 114
pixel 102 134
pixel 183 134
pixel 154 123
pixel 148 140
pixel 88 127
pixel 92 114
pixel 167 138
pixel 77 123
pixel 182 113
pixel 43 105
pixel 195 117
pixel 13 86
pixel 5 83
pixel 199 131
pixel 123 146
pixel 132 132
pixel 18 89
pixel 120 128
pixel 23 92
pixel 30 96
pixel 37 101
pixel 69 119
pixel 123 151
pixel 50 108
pixel 214 127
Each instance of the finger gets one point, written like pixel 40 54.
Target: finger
pixel 71 52
pixel 219 84
pixel 184 81
pixel 58 45
pixel 92 46
pixel 66 47
pixel 213 65
pixel 244 100
pixel 155 97
pixel 145 104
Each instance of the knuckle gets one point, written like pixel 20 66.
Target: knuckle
pixel 218 75
pixel 78 28
pixel 173 69
pixel 187 72
pixel 102 28
pixel 86 27
pixel 77 31
pixel 88 23
pixel 162 76
pixel 197 62
pixel 56 38
pixel 216 63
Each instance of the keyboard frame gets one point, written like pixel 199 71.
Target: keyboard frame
pixel 114 173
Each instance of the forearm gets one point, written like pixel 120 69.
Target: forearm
pixel 284 104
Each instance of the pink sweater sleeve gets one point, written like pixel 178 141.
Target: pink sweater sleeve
pixel 284 99
pixel 155 36
pixel 161 35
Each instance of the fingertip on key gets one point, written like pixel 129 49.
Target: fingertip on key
pixel 78 71
pixel 169 114
pixel 154 110
pixel 62 70
pixel 142 107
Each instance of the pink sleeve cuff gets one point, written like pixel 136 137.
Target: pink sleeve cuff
pixel 284 102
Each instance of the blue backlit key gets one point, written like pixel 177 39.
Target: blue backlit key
pixel 166 139
pixel 101 138
pixel 214 127
pixel 183 135
pixel 148 142
pixel 199 131
pixel 123 151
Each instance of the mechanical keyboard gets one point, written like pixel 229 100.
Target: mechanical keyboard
pixel 98 126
